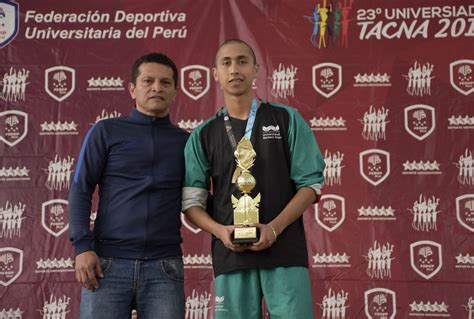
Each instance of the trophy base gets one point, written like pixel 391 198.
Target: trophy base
pixel 245 235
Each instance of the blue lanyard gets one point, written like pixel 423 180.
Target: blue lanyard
pixel 248 128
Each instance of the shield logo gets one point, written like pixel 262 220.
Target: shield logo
pixel 380 303
pixel 374 165
pixel 461 76
pixel 426 258
pixel 465 211
pixel 330 212
pixel 420 121
pixel 195 81
pixel 11 265
pixel 9 21
pixel 54 216
pixel 327 78
pixel 189 226
pixel 13 127
pixel 60 82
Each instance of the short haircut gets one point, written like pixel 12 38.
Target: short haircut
pixel 238 41
pixel 154 58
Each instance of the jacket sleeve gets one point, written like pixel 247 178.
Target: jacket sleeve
pixel 89 169
pixel 307 162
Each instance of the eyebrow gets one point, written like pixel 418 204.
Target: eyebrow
pixel 237 58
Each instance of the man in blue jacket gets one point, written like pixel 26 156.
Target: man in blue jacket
pixel 132 259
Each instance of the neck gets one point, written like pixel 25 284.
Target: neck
pixel 239 106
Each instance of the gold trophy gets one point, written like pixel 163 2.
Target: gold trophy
pixel 246 207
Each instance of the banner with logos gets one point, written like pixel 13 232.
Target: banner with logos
pixel 387 87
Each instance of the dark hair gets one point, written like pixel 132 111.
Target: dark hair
pixel 231 41
pixel 154 58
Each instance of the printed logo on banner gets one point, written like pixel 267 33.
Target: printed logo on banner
pixel 11 265
pixel 464 261
pixel 380 303
pixel 326 30
pixel 189 226
pixel 379 258
pixel 426 258
pixel 14 84
pixel 460 75
pixel 330 212
pixel 333 170
pixel 9 21
pixel 11 219
pixel 55 307
pixel 372 80
pixel 59 173
pixel 428 309
pixel 420 121
pixel 105 84
pixel 419 79
pixel 283 81
pixel 195 81
pixel 14 127
pixel 11 313
pixel 334 304
pixel 331 261
pixel 465 211
pixel 376 213
pixel 54 218
pixel 59 128
pixel 327 78
pixel 60 82
pixel 421 168
pixel 425 213
pixel 11 174
pixel 197 262
pixel 198 305
pixel 328 124
pixel 375 124
pixel 54 265
pixel 374 165
pixel 461 122
pixel 470 307
pixel 189 125
pixel 466 168
pixel 104 115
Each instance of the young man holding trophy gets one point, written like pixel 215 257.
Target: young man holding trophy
pixel 265 169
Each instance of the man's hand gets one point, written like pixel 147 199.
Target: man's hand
pixel 225 235
pixel 267 237
pixel 88 268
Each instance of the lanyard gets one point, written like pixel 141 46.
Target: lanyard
pixel 248 128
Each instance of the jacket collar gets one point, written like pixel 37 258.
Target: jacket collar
pixel 144 118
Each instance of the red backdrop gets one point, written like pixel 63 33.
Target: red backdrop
pixel 387 88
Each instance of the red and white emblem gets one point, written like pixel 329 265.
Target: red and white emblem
pixel 380 303
pixel 461 76
pixel 330 212
pixel 327 78
pixel 188 225
pixel 60 82
pixel 420 120
pixel 54 216
pixel 195 81
pixel 465 211
pixel 11 265
pixel 426 258
pixel 13 127
pixel 9 21
pixel 374 165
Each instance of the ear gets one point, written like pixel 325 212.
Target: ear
pixel 214 74
pixel 131 90
pixel 256 67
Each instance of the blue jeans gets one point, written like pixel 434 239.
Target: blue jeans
pixel 155 288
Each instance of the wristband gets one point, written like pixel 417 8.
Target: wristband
pixel 273 230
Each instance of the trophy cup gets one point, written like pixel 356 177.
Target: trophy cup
pixel 246 207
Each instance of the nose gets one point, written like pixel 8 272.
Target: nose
pixel 156 86
pixel 233 69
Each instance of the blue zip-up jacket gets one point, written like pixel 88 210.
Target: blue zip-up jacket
pixel 138 163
